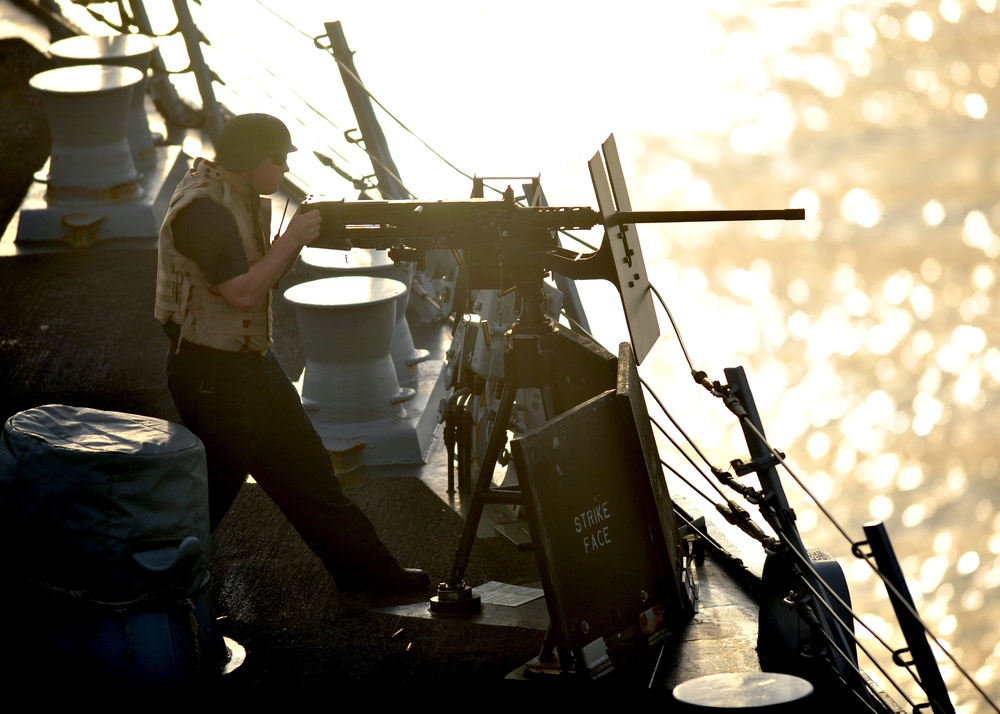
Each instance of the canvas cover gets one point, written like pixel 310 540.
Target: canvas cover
pixel 103 506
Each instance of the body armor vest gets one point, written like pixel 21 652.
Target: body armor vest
pixel 183 293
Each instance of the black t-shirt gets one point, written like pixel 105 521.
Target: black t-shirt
pixel 206 233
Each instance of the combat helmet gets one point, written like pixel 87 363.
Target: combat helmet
pixel 245 141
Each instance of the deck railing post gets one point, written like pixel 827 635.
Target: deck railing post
pixel 909 622
pixel 389 184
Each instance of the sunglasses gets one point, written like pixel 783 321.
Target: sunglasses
pixel 279 159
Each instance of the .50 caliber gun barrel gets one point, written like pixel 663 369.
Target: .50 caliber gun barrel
pixel 784 214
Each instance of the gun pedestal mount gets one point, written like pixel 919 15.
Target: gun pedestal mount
pixel 529 361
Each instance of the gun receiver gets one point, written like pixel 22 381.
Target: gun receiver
pixel 439 224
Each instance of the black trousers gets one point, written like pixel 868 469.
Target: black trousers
pixel 249 416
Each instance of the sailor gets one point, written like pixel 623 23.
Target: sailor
pixel 215 272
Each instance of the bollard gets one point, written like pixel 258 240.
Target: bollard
pixel 134 51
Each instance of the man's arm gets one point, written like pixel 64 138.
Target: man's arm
pixel 248 289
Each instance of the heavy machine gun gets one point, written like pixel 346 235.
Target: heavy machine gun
pixel 499 239
pixel 506 246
